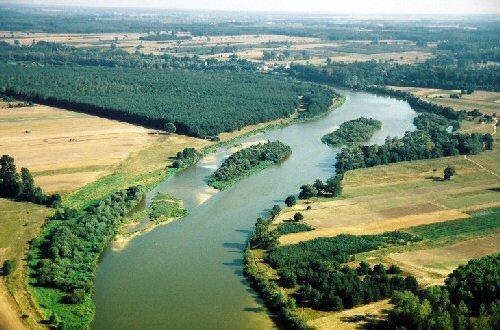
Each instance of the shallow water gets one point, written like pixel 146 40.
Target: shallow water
pixel 188 274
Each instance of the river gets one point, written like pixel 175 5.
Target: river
pixel 188 274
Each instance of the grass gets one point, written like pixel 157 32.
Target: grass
pixel 147 167
pixel 79 316
pixel 165 207
pixel 20 222
pixel 482 223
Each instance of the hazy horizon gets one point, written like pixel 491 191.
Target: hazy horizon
pixel 375 7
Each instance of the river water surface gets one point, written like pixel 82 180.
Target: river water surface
pixel 188 274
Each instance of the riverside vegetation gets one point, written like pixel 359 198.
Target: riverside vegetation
pixel 353 132
pixel 63 258
pixel 315 273
pixel 247 161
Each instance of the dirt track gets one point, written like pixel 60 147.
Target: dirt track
pixel 9 316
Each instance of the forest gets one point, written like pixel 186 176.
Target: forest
pixel 351 132
pixel 469 299
pixel 247 161
pixel 198 104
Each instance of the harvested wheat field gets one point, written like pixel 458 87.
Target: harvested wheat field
pixel 65 150
pixel 402 195
pixel 433 265
pixel 353 318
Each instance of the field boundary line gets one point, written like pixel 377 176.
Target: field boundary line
pixel 481 166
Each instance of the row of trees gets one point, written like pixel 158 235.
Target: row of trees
pixel 470 299
pixel 248 160
pixel 331 188
pixel 354 131
pixel 198 104
pixel 314 268
pixel 65 256
pixel 22 187
pixel 412 146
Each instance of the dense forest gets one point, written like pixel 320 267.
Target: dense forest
pixel 351 132
pixel 470 299
pixel 198 104
pixel 66 254
pixel 247 161
pixel 22 187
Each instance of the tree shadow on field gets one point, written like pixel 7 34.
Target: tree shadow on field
pixel 434 178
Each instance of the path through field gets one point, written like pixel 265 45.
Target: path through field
pixel 9 316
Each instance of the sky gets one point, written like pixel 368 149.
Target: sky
pixel 453 7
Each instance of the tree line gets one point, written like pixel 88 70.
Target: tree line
pixel 22 187
pixel 412 146
pixel 247 161
pixel 432 73
pixel 432 139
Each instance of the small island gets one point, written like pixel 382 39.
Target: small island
pixel 351 132
pixel 248 161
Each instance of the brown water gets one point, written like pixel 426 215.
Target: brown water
pixel 188 274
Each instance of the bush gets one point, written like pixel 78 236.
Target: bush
pixel 449 172
pixel 394 269
pixel 8 267
pixel 298 216
pixel 291 200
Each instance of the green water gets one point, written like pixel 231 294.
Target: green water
pixel 188 274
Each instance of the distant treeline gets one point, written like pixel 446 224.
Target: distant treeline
pixel 352 132
pixel 198 104
pixel 247 161
pixel 43 53
pixel 164 37
pixel 434 73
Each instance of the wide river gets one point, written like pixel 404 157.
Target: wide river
pixel 188 274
